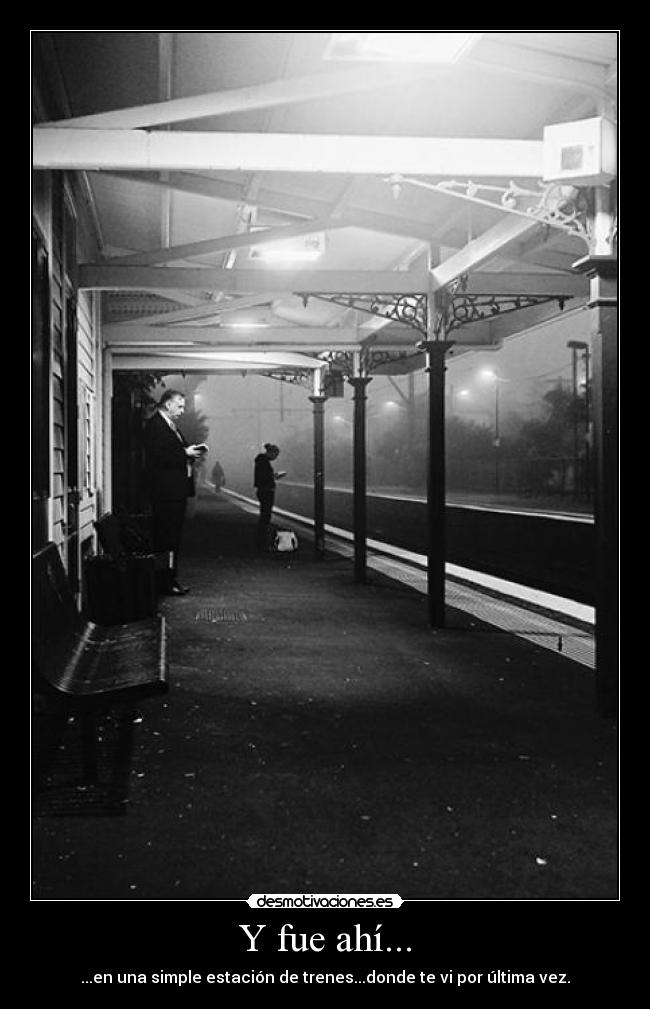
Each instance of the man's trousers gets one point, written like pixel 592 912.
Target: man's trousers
pixel 166 531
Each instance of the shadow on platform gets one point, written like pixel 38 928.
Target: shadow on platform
pixel 319 737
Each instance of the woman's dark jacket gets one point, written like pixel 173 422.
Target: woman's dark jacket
pixel 264 475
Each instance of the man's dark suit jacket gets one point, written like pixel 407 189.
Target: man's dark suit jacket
pixel 166 462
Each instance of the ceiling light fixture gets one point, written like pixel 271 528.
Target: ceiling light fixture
pixel 245 325
pixel 401 47
pixel 304 249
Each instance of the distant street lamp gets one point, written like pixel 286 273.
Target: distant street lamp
pixel 463 394
pixel 489 375
pixel 454 396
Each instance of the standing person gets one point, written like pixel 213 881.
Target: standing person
pixel 218 477
pixel 170 466
pixel 264 479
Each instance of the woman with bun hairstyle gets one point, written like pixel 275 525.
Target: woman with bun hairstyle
pixel 264 480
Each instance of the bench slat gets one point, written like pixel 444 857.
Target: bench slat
pixel 82 661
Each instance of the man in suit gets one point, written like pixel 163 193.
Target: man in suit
pixel 170 467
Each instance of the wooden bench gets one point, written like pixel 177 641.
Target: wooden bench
pixel 82 668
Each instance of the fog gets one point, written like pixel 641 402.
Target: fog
pixel 243 411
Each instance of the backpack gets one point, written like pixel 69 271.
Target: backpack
pixel 285 540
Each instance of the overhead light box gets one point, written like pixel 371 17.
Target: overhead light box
pixel 305 248
pixel 582 152
pixel 401 47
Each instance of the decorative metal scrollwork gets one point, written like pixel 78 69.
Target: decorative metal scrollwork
pixel 341 359
pixel 379 357
pixel 302 377
pixel 466 308
pixel 408 309
pixel 459 284
pixel 454 308
pixel 558 205
pixel 370 359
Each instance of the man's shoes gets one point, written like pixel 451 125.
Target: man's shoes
pixel 177 590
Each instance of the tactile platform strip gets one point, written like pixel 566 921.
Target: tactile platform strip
pixel 556 635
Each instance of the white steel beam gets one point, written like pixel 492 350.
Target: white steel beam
pixel 546 67
pixel 61 101
pixel 207 310
pixel 284 152
pixel 227 242
pixel 544 285
pixel 217 360
pixel 273 123
pixel 268 347
pixel 136 334
pixel 259 96
pixel 165 73
pixel 552 259
pixel 491 243
pixel 141 278
pixel 284 203
pixel 181 297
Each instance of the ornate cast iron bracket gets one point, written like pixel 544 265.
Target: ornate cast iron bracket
pixel 341 359
pixel 408 309
pixel 381 357
pixel 302 377
pixel 559 206
pixel 454 308
pixel 465 308
pixel 370 359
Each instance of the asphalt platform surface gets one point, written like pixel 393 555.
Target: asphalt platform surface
pixel 319 737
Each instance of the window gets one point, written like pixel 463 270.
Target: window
pixel 88 443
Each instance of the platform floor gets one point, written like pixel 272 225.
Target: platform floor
pixel 319 737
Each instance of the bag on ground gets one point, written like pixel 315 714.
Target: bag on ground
pixel 285 540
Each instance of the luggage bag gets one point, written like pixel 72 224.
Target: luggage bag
pixel 117 591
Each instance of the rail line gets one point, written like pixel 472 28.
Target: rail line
pixel 547 620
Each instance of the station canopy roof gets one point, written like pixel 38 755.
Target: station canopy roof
pixel 388 175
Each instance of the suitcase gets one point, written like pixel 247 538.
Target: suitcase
pixel 118 591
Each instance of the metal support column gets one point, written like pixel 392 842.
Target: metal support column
pixel 411 408
pixel 359 383
pixel 435 347
pixel 574 413
pixel 318 400
pixel 588 433
pixel 603 300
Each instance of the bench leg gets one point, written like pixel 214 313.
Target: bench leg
pixel 48 731
pixel 89 749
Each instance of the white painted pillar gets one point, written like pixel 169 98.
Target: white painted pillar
pixel 107 429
